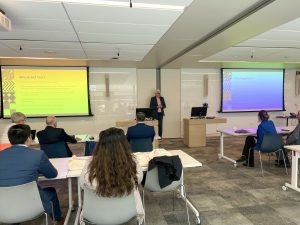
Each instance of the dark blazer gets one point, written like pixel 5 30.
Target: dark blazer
pixel 169 169
pixel 153 106
pixel 140 130
pixel 52 135
pixel 20 165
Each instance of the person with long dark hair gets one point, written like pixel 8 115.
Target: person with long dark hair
pixel 266 126
pixel 113 170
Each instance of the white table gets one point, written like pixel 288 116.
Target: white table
pixel 294 176
pixel 251 131
pixel 61 165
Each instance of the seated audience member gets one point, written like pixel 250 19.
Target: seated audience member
pixel 113 170
pixel 16 118
pixel 293 138
pixel 20 164
pixel 266 126
pixel 141 131
pixel 52 134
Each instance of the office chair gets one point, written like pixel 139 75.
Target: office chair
pixel 152 185
pixel 89 148
pixel 21 203
pixel 56 150
pixel 271 143
pixel 107 211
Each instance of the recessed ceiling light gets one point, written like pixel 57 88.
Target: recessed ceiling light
pixel 119 4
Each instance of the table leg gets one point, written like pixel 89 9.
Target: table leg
pixel 70 201
pixel 221 145
pixel 221 154
pixel 183 196
pixel 287 121
pixel 294 172
pixel 79 203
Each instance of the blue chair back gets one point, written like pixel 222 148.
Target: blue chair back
pixel 56 150
pixel 141 145
pixel 89 147
pixel 271 143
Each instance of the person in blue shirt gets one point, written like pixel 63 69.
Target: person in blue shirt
pixel 19 164
pixel 266 126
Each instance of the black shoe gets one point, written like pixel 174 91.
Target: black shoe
pixel 246 164
pixel 281 164
pixel 241 159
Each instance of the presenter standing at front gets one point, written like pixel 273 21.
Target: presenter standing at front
pixel 157 104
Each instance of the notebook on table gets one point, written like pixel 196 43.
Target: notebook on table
pixel 241 131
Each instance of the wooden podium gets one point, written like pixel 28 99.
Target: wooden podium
pixel 194 130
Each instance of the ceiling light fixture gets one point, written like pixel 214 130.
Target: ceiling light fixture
pixel 119 4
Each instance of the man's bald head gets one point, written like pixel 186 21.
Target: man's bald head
pixel 51 121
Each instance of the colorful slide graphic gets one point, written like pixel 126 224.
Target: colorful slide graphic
pixel 42 91
pixel 252 90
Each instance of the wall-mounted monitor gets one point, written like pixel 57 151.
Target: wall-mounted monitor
pixel 251 90
pixel 43 91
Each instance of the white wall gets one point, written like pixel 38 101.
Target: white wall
pixel 182 89
pixel 170 90
pixel 146 86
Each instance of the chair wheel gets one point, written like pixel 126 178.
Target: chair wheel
pixel 235 165
pixel 284 188
pixel 220 157
pixel 197 221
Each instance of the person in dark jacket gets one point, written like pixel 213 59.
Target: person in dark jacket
pixel 20 164
pixel 141 131
pixel 293 138
pixel 51 134
pixel 158 104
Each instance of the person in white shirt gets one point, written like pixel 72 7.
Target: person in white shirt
pixel 113 170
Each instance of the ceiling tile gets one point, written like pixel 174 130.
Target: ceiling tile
pixel 43 24
pixel 44 45
pixel 19 10
pixel 38 35
pixel 119 28
pixel 98 13
pixel 118 39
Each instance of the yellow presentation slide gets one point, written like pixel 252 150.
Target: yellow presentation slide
pixel 43 91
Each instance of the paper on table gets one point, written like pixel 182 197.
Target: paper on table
pixel 83 137
pixel 76 164
pixel 144 157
